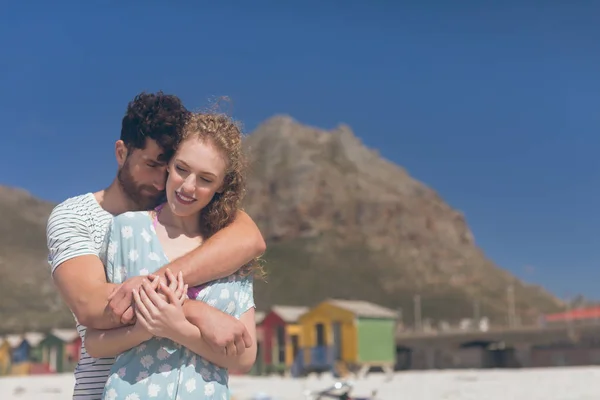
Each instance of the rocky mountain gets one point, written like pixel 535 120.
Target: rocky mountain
pixel 343 222
pixel 28 298
pixel 339 220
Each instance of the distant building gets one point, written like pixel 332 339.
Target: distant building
pixel 578 315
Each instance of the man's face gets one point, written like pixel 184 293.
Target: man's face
pixel 143 174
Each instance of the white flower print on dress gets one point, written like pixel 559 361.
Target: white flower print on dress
pixel 170 389
pixel 230 307
pixel 153 256
pixel 121 372
pixel 111 394
pixel 209 389
pixel 243 299
pixel 133 255
pixel 190 385
pixel 146 236
pixel 153 390
pixel 132 396
pixel 224 294
pixel 127 232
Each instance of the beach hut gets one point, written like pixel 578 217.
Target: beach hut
pixel 5 356
pixel 23 348
pixel 60 349
pixel 338 335
pixel 257 368
pixel 281 337
pixel 259 365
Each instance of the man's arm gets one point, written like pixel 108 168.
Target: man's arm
pixel 77 271
pixel 82 285
pixel 222 254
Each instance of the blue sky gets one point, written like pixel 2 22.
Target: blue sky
pixel 496 105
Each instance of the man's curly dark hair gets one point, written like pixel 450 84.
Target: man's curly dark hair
pixel 156 116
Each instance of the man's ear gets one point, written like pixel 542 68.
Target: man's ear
pixel 120 152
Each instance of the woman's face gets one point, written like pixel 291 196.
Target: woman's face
pixel 196 173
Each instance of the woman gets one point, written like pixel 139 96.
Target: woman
pixel 166 357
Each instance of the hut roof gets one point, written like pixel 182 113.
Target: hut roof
pixel 34 338
pixel 66 335
pixel 289 314
pixel 364 308
pixel 14 340
pixel 259 316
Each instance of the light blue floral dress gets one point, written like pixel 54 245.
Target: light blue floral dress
pixel 161 368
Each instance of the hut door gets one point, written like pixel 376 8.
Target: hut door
pixel 280 344
pixel 53 358
pixel 295 346
pixel 320 331
pixel 337 341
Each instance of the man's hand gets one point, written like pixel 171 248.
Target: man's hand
pixel 222 332
pixel 120 301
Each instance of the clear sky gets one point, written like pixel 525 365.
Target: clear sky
pixel 495 106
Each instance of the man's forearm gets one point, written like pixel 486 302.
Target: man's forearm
pixel 222 254
pixel 92 308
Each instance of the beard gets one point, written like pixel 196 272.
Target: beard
pixel 144 197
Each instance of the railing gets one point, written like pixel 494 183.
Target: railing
pixel 313 358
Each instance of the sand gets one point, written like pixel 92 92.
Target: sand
pixel 527 384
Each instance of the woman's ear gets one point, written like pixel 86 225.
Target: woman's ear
pixel 120 152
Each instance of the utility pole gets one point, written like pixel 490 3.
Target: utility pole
pixel 400 318
pixel 510 293
pixel 569 320
pixel 476 312
pixel 417 303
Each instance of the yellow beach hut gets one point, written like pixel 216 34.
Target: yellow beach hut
pixel 338 335
pixel 5 356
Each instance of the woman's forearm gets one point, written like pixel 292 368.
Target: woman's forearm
pixel 112 342
pixel 191 338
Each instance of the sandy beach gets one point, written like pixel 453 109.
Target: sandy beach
pixel 532 384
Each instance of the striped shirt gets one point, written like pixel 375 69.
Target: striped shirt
pixel 78 227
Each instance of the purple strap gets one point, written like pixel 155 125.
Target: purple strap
pixel 157 211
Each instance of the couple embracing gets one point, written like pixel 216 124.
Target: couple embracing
pixel 158 268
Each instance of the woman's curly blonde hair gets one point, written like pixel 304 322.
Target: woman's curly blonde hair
pixel 226 135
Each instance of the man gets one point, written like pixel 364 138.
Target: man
pixel 76 229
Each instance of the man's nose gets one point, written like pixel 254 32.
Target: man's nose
pixel 160 180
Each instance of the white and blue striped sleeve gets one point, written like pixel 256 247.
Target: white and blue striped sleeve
pixel 68 235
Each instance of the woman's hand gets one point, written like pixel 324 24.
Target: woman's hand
pixel 175 284
pixel 160 317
